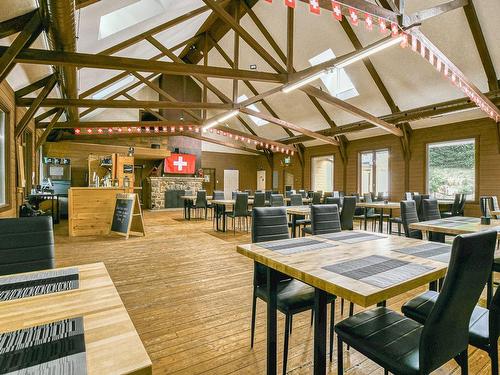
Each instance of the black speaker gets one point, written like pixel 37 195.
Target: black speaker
pixel 176 150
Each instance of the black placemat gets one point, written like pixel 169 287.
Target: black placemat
pixel 46 282
pixel 352 237
pixel 436 251
pixel 445 223
pixel 54 348
pixel 295 245
pixel 378 270
pixel 465 219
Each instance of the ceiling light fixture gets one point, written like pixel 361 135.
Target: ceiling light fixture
pixel 288 88
pixel 218 119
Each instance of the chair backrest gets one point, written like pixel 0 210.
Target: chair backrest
pixel 325 218
pixel 368 199
pixel 418 204
pixel 409 216
pixel 201 199
pixel 268 195
pixel 296 200
pixel 485 203
pixel 446 330
pixel 341 194
pixel 288 193
pixel 259 199
pixel 461 206
pixel 494 317
pixel 241 204
pixel 494 203
pixel 316 198
pixel 276 200
pixel 268 224
pixel 334 200
pixel 408 196
pixel 456 204
pixel 303 193
pixel 327 194
pixel 430 209
pixel 26 244
pixel 233 195
pixel 347 214
pixel 218 195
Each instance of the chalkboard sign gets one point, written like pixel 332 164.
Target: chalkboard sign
pixel 128 168
pixel 127 215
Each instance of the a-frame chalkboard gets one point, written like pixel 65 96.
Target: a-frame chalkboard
pixel 127 216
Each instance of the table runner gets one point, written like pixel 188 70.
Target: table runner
pixel 378 270
pixel 351 237
pixel 53 348
pixel 465 219
pixel 445 223
pixel 33 284
pixel 295 245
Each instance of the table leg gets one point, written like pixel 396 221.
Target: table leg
pixel 366 217
pixel 381 220
pixel 294 225
pixel 217 217
pixel 272 325
pixel 320 319
pixel 223 213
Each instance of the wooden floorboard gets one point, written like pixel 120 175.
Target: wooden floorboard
pixel 189 295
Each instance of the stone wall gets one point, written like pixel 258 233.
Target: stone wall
pixel 158 185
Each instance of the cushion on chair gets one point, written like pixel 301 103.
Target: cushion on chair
pixel 384 336
pixel 293 296
pixel 420 307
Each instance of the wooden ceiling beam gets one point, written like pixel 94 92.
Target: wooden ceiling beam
pixel 426 14
pixel 30 32
pixel 50 126
pixel 362 5
pixel 113 124
pixel 482 47
pixel 250 136
pixel 321 95
pixel 37 85
pixel 79 4
pixel 290 126
pixel 16 24
pixel 44 57
pixel 106 103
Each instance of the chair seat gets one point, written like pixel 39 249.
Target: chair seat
pixel 420 307
pixel 293 296
pixel 386 337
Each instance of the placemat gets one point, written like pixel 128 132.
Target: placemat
pixel 33 284
pixel 465 219
pixel 54 348
pixel 295 245
pixel 444 223
pixel 436 251
pixel 352 237
pixel 378 270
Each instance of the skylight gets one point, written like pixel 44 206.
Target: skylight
pixel 128 16
pixel 111 89
pixel 338 82
pixel 253 107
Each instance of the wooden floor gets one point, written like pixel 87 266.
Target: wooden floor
pixel 189 295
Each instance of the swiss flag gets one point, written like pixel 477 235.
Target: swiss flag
pixel 337 10
pixel 180 163
pixel 314 6
pixel 290 3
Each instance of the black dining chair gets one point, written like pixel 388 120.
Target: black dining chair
pixel 201 203
pixel 303 193
pixel 316 198
pixel 455 208
pixel 276 200
pixel 369 214
pixel 217 195
pixel 485 204
pixel 293 296
pixel 347 213
pixel 300 220
pixel 404 346
pixel 295 200
pixel 26 244
pixel 334 200
pixel 240 210
pixel 494 205
pixel 430 211
pixel 409 216
pixel 325 218
pixel 268 195
pixel 259 199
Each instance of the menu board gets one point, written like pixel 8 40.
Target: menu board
pixel 122 216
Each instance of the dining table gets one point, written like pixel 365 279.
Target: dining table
pixel 380 206
pixel 455 225
pixel 365 268
pixel 220 208
pixel 78 318
pixel 297 211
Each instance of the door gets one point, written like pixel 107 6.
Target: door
pixel 209 180
pixel 231 182
pixel 261 180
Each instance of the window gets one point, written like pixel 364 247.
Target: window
pixel 258 121
pixel 3 152
pixel 451 169
pixel 374 172
pixel 338 82
pixel 322 173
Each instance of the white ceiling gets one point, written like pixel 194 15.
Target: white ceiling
pixel 410 80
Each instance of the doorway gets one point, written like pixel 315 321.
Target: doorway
pixel 261 180
pixel 231 182
pixel 209 180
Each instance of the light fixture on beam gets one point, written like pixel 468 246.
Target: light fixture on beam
pixel 218 119
pixel 305 81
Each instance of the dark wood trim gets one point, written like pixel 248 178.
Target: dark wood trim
pixel 8 141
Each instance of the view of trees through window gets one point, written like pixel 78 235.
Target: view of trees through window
pixel 451 169
pixel 374 172
pixel 322 173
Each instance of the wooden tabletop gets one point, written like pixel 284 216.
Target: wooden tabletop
pixel 456 225
pixel 304 200
pixel 495 213
pixel 228 202
pixel 298 210
pixel 388 205
pixel 308 266
pixel 112 343
pixel 193 197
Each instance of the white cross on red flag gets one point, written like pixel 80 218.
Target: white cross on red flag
pixel 180 163
pixel 290 3
pixel 314 6
pixel 337 10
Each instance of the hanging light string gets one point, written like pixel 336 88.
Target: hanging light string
pixel 275 147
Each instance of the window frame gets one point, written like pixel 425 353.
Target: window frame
pixel 389 168
pixel 7 164
pixel 332 154
pixel 476 140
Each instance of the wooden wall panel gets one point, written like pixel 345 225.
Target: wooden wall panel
pixel 7 103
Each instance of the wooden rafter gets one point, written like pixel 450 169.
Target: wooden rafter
pixel 46 114
pixel 362 5
pixel 290 126
pixel 37 85
pixel 34 104
pixel 30 32
pixel 44 57
pixel 79 4
pixel 426 14
pixel 49 128
pixel 15 25
pixel 113 124
pixel 482 48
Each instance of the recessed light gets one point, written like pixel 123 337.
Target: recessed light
pixel 253 66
